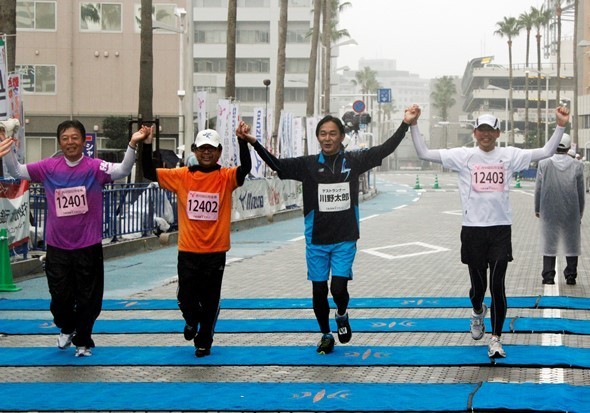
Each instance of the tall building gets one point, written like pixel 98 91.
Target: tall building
pixel 80 60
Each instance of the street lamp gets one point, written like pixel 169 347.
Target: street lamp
pixel 546 100
pixel 320 95
pixel 266 83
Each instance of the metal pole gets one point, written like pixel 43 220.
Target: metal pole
pixel 546 108
pixel 506 125
pixel 181 92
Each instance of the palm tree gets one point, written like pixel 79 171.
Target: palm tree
pixel 526 21
pixel 509 27
pixel 281 60
pixel 146 75
pixel 230 68
pixel 366 79
pixel 541 18
pixel 313 58
pixel 442 99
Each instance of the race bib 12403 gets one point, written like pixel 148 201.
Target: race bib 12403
pixel 488 178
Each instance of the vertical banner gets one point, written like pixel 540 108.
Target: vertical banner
pixel 201 106
pixel 16 110
pixel 234 119
pixel 3 81
pixel 14 211
pixel 298 133
pixel 313 146
pixel 223 130
pixel 258 166
pixel 90 145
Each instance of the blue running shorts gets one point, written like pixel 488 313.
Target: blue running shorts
pixel 334 258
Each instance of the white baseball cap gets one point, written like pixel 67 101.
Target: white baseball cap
pixel 566 141
pixel 208 137
pixel 489 120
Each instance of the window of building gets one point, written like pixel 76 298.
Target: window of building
pixel 251 94
pixel 253 3
pixel 253 32
pixel 210 32
pixel 296 65
pixel 297 32
pixel 37 78
pixel 162 13
pixel 210 3
pixel 101 17
pixel 35 15
pixel 243 65
pixel 295 95
pixel 300 3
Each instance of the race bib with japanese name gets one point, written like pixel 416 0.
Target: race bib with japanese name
pixel 71 201
pixel 202 206
pixel 334 197
pixel 488 178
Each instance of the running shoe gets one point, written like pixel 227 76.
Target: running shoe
pixel 189 332
pixel 478 327
pixel 495 349
pixel 570 280
pixel 202 352
pixel 83 351
pixel 64 340
pixel 344 331
pixel 326 344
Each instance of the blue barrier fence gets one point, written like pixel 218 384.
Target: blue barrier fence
pixel 138 209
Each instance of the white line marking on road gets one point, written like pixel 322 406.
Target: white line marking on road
pixel 455 212
pixel 553 376
pixel 230 260
pixel 398 207
pixel 523 192
pixel 369 217
pixel 427 249
pixel 297 238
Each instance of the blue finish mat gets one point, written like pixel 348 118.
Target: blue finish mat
pixel 518 356
pixel 365 325
pixel 578 303
pixel 317 397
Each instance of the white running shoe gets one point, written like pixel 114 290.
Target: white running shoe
pixel 495 349
pixel 477 326
pixel 83 351
pixel 64 340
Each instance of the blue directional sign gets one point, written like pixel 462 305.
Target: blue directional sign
pixel 384 95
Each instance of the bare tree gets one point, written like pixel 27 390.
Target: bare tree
pixel 313 58
pixel 281 59
pixel 146 76
pixel 230 69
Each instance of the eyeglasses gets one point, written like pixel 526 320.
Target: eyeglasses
pixel 206 149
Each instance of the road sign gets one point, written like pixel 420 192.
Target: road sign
pixel 383 95
pixel 358 106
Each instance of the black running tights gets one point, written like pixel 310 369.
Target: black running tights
pixel 321 306
pixel 497 290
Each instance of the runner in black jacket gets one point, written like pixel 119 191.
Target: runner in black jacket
pixel 330 205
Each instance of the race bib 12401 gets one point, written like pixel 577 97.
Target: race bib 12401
pixel 71 201
pixel 488 178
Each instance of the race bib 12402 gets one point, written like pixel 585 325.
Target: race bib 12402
pixel 202 206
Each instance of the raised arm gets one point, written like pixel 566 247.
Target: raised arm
pixel 562 118
pixel 5 146
pixel 243 133
pixel 147 164
pixel 245 161
pixel 431 155
pixel 121 170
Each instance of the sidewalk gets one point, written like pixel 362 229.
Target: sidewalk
pixel 409 247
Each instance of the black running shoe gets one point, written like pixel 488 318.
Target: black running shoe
pixel 344 331
pixel 189 332
pixel 326 344
pixel 570 280
pixel 202 352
